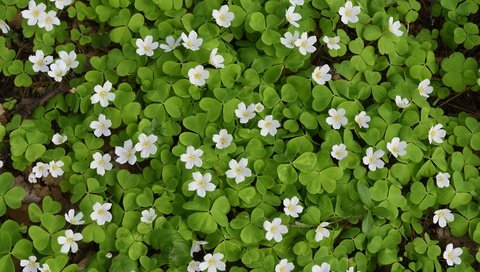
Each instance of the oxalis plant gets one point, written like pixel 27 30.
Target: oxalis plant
pixel 239 135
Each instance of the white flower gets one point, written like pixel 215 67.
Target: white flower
pixel 424 88
pixel 442 217
pixel 349 13
pixel 198 75
pixel 337 118
pixel 73 219
pixel 70 59
pixel 394 27
pixel 191 41
pixel 322 232
pixel 103 94
pixel 108 255
pixel 397 147
pixel 170 43
pixel 58 69
pixel 362 119
pixel 436 134
pixel 4 26
pixel 401 102
pixel 40 61
pixel 60 4
pixel 238 170
pixel 32 14
pixel 212 262
pixel 289 40
pixel 101 163
pixel 148 216
pixel 305 43
pixel 452 255
pixel 44 268
pixel 325 267
pixel 351 269
pixel 196 246
pixel 55 168
pixel 259 107
pixel 101 214
pixel 374 159
pixel 442 179
pixel 245 113
pixel 58 139
pixel 41 169
pixel 292 17
pixel 146 145
pixel 222 139
pixel 339 152
pixel 216 59
pixel 292 208
pixel 101 126
pixel 268 126
pixel 332 42
pixel 192 157
pixel 68 242
pixel 30 265
pixel 146 46
pixel 47 20
pixel 126 153
pixel 320 75
pixel 31 178
pixel 296 2
pixel 223 17
pixel 201 184
pixel 193 266
pixel 284 265
pixel 275 229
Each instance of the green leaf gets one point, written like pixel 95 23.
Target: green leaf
pixel 212 106
pixel 52 223
pixel 7 180
pixel 196 123
pixel 287 174
pixel 364 193
pixel 13 198
pixel 372 32
pixel 124 239
pixel 122 263
pixel 202 221
pixel 137 250
pixel 136 21
pixel 220 208
pixel 173 106
pixel 7 263
pixel 375 244
pixel 257 21
pixel 22 249
pixel 41 238
pixel 50 206
pixel 34 152
pixel 23 80
pixel 270 97
pixel 251 234
pixel 306 162
pixel 475 141
pixel 120 35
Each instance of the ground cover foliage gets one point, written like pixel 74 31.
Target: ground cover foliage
pixel 240 135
